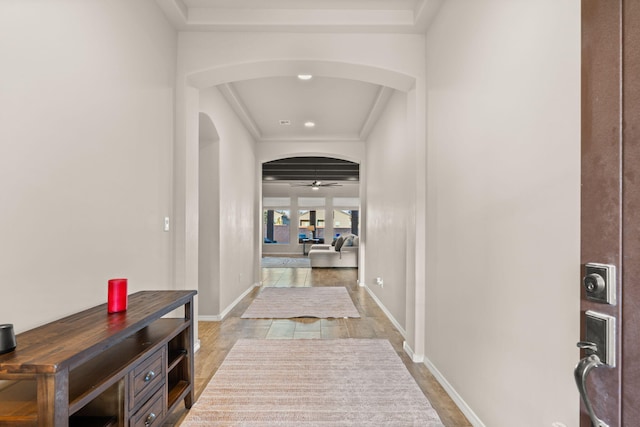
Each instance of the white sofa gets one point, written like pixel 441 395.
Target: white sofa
pixel 343 254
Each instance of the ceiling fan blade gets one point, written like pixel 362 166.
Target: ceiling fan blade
pixel 316 184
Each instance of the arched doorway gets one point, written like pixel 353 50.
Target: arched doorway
pixel 411 85
pixel 308 199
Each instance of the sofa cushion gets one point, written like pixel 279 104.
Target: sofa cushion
pixel 348 241
pixel 347 257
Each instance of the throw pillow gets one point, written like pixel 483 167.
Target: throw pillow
pixel 348 241
pixel 339 243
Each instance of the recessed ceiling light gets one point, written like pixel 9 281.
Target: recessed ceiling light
pixel 309 124
pixel 305 76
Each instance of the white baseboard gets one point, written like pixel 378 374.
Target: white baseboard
pixel 196 346
pixel 226 311
pixel 386 312
pixel 414 357
pixel 459 401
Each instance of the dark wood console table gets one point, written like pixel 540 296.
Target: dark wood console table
pixel 98 369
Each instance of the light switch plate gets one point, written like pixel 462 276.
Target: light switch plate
pixel 600 329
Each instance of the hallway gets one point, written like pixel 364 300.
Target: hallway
pixel 217 338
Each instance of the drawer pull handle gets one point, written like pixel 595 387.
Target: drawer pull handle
pixel 150 419
pixel 150 375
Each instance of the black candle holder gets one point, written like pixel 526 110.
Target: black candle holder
pixel 7 338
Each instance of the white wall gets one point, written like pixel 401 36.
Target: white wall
pixel 504 210
pixel 238 193
pixel 208 59
pixel 209 218
pixel 86 131
pixel 390 206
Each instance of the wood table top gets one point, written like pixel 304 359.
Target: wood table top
pixel 62 343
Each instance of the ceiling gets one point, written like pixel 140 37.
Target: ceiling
pixel 276 108
pixel 293 177
pixel 397 16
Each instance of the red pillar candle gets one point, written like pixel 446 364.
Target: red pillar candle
pixel 117 298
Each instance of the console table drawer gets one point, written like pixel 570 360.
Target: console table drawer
pixel 152 412
pixel 146 376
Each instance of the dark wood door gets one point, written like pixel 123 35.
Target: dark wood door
pixel 610 227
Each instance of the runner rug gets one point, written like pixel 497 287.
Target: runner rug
pixel 286 383
pixel 283 262
pixel 286 303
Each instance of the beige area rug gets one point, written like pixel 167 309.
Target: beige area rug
pixel 342 382
pixel 286 303
pixel 284 262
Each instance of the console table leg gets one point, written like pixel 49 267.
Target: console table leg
pixel 189 399
pixel 53 399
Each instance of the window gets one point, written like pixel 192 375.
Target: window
pixel 345 221
pixel 310 202
pixel 275 226
pixel 346 216
pixel 276 202
pixel 311 225
pixel 346 202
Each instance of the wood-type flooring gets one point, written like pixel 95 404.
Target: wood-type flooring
pixel 217 338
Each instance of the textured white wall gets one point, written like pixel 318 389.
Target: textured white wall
pixel 238 192
pixel 504 172
pixel 390 206
pixel 232 56
pixel 208 218
pixel 86 131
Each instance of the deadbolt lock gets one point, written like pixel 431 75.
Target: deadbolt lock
pixel 594 283
pixel 600 283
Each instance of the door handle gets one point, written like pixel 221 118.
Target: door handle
pixel 581 372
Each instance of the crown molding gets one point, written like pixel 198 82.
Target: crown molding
pixel 382 98
pixel 230 94
pixel 337 17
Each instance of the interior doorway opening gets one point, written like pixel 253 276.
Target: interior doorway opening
pixel 306 201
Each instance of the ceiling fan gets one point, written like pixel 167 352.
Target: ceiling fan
pixel 315 185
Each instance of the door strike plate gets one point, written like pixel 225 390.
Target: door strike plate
pixel 600 283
